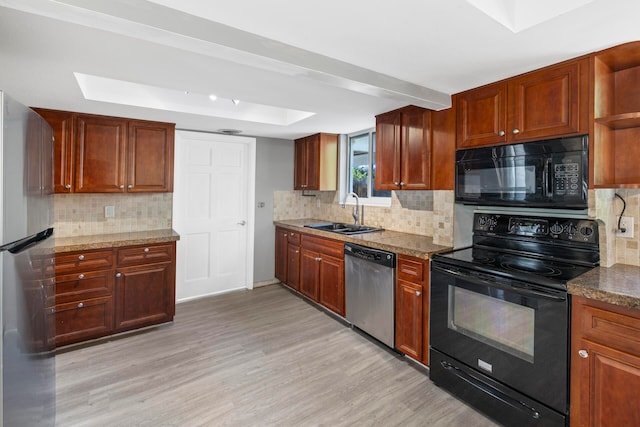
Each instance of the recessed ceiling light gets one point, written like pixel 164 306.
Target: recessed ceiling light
pixel 213 97
pixel 104 89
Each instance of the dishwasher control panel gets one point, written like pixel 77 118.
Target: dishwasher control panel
pixel 387 259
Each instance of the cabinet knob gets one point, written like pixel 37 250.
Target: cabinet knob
pixel 418 293
pixel 296 251
pixel 402 183
pixel 118 274
pixel 67 186
pixel 516 131
pixel 396 183
pixel 80 276
pixel 583 353
pixel 81 257
pixel 122 187
pixel 146 250
pixel 80 305
pixel 129 186
pixel 501 133
pixel 318 259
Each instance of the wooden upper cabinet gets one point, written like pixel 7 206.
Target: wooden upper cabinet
pixel 316 162
pixel 616 117
pixel 550 102
pixel 63 124
pixel 547 103
pixel 150 157
pixel 482 116
pixel 402 150
pixel 100 154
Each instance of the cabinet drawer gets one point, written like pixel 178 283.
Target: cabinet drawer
pixel 324 246
pixel 618 329
pixel 80 261
pixel 410 270
pixel 79 286
pixel 294 237
pixel 78 321
pixel 145 254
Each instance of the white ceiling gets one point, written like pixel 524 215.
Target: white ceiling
pixel 345 61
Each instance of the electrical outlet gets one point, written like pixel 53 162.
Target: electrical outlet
pixel 317 203
pixel 109 211
pixel 626 223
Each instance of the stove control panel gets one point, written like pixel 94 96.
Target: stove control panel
pixel 546 228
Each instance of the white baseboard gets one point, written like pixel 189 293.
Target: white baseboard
pixel 265 283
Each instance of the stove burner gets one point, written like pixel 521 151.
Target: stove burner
pixel 542 270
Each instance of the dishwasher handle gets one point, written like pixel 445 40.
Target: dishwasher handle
pixel 384 258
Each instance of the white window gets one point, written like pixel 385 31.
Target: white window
pixel 359 169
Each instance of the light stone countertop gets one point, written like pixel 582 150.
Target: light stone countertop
pixel 618 285
pixel 102 241
pixel 387 240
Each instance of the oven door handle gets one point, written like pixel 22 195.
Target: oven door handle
pixel 514 288
pixel 486 388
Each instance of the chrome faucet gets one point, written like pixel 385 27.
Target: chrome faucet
pixel 356 209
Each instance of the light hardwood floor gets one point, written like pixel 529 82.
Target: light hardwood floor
pixel 249 358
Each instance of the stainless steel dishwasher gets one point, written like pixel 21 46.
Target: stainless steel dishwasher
pixel 370 291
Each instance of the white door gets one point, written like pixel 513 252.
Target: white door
pixel 213 211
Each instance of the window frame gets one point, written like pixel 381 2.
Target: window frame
pixel 344 175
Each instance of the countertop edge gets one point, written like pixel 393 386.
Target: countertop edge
pixel 378 240
pixel 115 240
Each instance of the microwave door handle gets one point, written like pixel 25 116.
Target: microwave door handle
pixel 547 179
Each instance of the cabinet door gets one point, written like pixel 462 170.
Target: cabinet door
pixel 83 320
pixel 482 116
pixel 281 255
pixel 409 302
pixel 150 157
pixel 145 295
pixel 415 168
pixel 313 162
pixel 293 266
pixel 388 141
pixel 300 164
pixel 331 283
pixel 605 386
pixel 309 273
pixel 100 154
pixel 549 103
pixel 62 123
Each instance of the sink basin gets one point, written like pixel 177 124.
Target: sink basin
pixel 342 228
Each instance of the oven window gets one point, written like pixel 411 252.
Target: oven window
pixel 500 324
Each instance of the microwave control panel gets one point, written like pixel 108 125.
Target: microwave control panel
pixel 566 179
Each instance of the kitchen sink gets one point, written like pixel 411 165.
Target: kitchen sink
pixel 342 228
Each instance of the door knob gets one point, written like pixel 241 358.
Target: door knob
pixel 243 222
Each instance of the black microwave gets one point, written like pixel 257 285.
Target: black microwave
pixel 545 174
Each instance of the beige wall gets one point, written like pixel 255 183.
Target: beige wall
pixel 83 214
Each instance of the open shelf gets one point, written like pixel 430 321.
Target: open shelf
pixel 620 121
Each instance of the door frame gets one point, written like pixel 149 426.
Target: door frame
pixel 250 196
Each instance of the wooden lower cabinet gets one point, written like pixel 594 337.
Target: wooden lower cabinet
pixel 605 364
pixel 282 236
pixel 293 266
pixel 144 295
pixel 100 292
pixel 310 273
pixel 412 307
pixel 331 284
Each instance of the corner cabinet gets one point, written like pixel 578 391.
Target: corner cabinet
pixel 99 154
pixel 316 162
pixel 605 364
pixel 412 308
pixel 547 103
pixel 105 291
pixel 616 114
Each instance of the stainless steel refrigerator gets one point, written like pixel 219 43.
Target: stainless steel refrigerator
pixel 27 267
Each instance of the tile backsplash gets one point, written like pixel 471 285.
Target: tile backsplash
pixel 84 214
pixel 427 213
pixel 607 209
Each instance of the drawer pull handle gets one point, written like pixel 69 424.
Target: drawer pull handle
pixel 80 276
pixel 583 353
pixel 146 250
pixel 81 257
pixel 118 274
pixel 80 305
